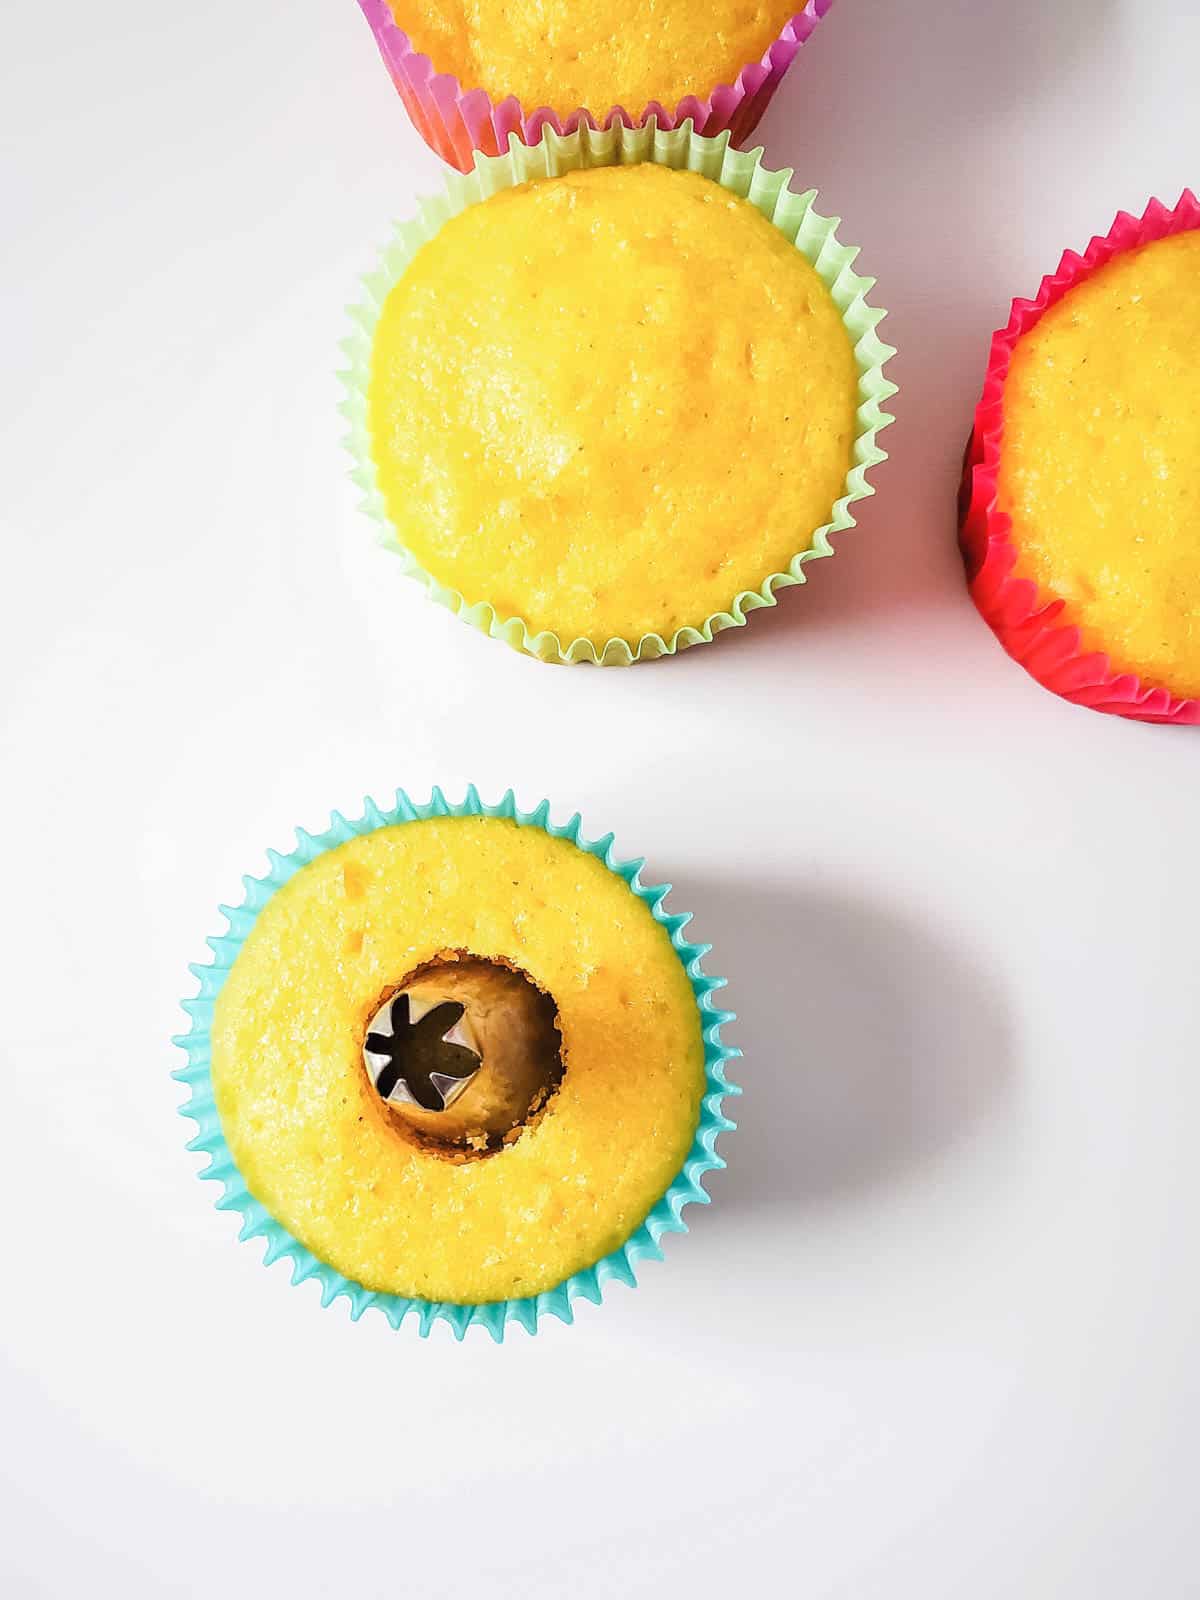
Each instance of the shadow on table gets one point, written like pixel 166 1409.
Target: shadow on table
pixel 872 1045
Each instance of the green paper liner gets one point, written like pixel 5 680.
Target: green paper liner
pixel 742 173
pixel 644 1243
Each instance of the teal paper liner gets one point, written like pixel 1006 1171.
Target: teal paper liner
pixel 257 1223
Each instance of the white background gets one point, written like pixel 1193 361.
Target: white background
pixel 937 1334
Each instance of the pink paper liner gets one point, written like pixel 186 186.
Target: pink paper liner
pixel 1026 624
pixel 457 122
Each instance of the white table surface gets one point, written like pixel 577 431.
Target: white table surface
pixel 937 1333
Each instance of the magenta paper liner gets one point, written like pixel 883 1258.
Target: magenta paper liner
pixel 457 122
pixel 1027 624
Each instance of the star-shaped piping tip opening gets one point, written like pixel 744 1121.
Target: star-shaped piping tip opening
pixel 421 1062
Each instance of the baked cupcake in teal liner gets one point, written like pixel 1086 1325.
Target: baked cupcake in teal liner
pixel 455 1060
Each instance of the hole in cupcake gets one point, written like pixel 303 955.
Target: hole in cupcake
pixel 465 1053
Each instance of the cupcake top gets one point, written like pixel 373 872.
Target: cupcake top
pixel 608 403
pixel 458 1059
pixel 577 53
pixel 1100 460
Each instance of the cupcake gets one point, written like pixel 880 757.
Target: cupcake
pixel 471 76
pixel 1079 510
pixel 609 411
pixel 458 1060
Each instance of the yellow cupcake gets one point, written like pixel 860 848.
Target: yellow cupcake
pixel 1100 460
pixel 553 1177
pixel 572 53
pixel 609 403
